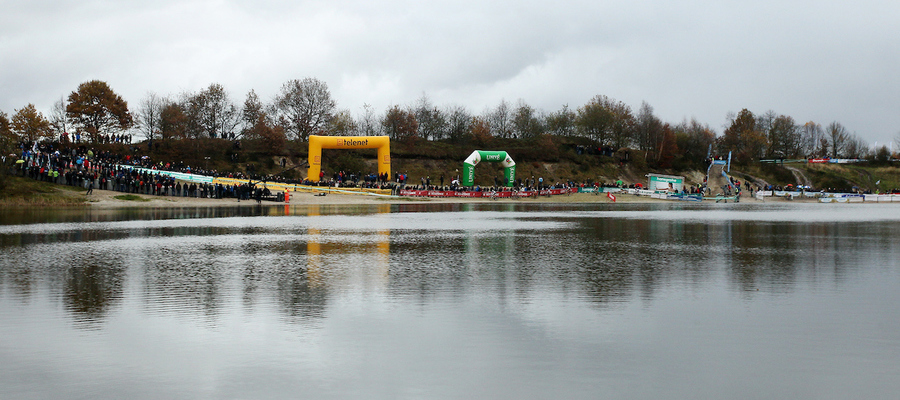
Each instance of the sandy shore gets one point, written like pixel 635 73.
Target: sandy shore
pixel 107 199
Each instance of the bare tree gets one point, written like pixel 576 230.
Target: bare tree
pixel 148 115
pixel 855 147
pixel 458 123
pixel 562 122
pixel 811 138
pixel 304 107
pixel 367 124
pixel 649 132
pixel 342 124
pixel 214 113
pixel 58 119
pixel 432 121
pixel 765 121
pixel 837 138
pixel 895 141
pixel 500 120
pixel 700 139
pixel 526 122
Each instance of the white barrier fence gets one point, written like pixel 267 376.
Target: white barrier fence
pixel 831 197
pixel 883 198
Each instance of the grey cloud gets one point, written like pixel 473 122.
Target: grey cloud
pixel 807 59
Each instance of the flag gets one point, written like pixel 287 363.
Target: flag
pixel 611 197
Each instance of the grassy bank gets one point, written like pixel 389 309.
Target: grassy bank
pixel 19 192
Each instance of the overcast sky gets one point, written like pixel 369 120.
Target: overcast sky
pixel 812 60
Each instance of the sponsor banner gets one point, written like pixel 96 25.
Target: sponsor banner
pixel 472 194
pixel 687 197
pixel 843 195
pixel 593 189
pixel 554 192
pixel 279 186
pixel 784 161
pixel 817 160
pixel 438 193
pixel 177 175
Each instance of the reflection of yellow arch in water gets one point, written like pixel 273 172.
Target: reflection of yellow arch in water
pixel 315 250
pixel 317 143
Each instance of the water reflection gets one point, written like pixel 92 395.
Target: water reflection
pixel 196 265
pixel 419 295
pixel 92 290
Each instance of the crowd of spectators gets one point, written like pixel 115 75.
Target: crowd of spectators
pixel 78 165
pixel 81 167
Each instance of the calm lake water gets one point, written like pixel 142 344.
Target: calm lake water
pixel 525 301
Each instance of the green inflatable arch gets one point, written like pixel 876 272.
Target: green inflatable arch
pixel 468 178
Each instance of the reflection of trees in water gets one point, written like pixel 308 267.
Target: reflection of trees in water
pixel 18 277
pixel 25 239
pixel 204 279
pixel 298 298
pixel 764 254
pixel 518 263
pixel 184 281
pixel 777 256
pixel 281 268
pixel 201 269
pixel 624 255
pixel 92 289
pixel 421 266
pixel 87 279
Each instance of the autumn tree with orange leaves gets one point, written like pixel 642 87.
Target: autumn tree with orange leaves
pixel 30 125
pixel 96 110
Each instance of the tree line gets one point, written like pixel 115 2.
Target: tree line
pixel 304 107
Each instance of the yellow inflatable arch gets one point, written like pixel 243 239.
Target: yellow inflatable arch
pixel 317 143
